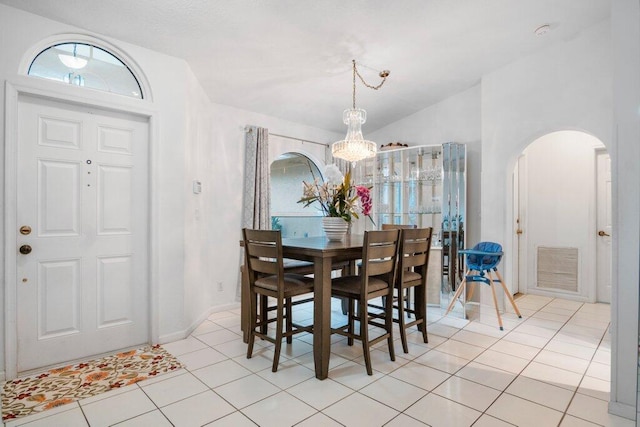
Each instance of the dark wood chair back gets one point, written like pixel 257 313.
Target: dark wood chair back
pixel 263 252
pixel 379 253
pixel 415 246
pixel 397 226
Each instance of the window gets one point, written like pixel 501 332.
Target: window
pixel 287 173
pixel 85 65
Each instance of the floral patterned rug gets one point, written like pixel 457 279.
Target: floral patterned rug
pixel 57 387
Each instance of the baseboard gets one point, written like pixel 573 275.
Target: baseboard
pixel 622 410
pixel 554 294
pixel 225 307
pixel 180 335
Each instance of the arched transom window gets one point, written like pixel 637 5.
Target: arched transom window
pixel 85 65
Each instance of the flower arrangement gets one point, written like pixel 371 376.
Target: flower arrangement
pixel 337 197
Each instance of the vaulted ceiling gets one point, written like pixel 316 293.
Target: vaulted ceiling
pixel 292 58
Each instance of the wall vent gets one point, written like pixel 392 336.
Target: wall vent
pixel 557 268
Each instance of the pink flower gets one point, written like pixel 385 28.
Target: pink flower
pixel 365 199
pixel 336 197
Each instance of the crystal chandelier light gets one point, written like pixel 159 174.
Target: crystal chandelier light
pixel 354 147
pixel 73 61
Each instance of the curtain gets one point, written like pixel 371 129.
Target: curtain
pixel 256 213
pixel 255 208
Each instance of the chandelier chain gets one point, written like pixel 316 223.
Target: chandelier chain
pixel 383 75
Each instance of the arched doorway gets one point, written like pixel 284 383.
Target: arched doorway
pixel 288 171
pixel 562 218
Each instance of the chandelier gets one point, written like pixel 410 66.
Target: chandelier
pixel 73 61
pixel 354 147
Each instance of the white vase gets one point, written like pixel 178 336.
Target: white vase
pixel 334 227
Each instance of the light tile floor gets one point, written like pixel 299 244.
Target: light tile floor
pixel 550 368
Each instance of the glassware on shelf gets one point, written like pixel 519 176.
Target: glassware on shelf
pixel 414 172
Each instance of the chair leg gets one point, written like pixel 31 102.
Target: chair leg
pixel 506 291
pixel 289 317
pixel 344 302
pixel 420 293
pixel 364 334
pixel 495 301
pixel 461 287
pixel 351 313
pixel 407 299
pixel 278 343
pixel 264 313
pixel 253 320
pixel 401 324
pixel 388 322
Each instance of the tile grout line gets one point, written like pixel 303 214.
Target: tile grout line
pixel 504 391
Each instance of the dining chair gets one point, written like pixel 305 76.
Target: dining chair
pixel 376 278
pixel 481 262
pixel 267 278
pixel 413 262
pixel 407 297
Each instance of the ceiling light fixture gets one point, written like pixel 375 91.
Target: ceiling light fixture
pixel 354 147
pixel 74 61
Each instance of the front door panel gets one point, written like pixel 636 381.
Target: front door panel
pixel 83 189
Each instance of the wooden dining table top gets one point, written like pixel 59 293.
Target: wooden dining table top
pixel 313 247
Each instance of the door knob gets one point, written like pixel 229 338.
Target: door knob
pixel 518 231
pixel 602 233
pixel 25 249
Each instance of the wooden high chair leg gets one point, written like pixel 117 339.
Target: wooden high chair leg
pixel 462 285
pixel 506 291
pixel 472 288
pixel 495 300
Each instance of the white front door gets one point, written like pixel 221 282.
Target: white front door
pixel 82 188
pixel 603 238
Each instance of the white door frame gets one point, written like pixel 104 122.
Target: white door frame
pixel 519 223
pixel 79 96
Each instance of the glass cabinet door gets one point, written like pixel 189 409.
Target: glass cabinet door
pixel 423 186
pixel 453 218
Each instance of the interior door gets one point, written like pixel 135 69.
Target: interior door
pixel 603 238
pixel 82 209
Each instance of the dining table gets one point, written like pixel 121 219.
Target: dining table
pixel 323 253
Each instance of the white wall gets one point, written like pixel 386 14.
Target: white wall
pixel 213 219
pixel 456 119
pixel 195 139
pixel 559 204
pixel 21 31
pixel 625 24
pixel 561 88
pixel 565 87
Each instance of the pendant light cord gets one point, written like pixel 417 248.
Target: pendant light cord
pixel 383 75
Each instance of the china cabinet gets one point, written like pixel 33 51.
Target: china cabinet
pixel 423 186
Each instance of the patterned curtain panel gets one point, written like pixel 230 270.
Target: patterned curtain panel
pixel 256 213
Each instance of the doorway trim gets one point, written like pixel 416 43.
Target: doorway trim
pixel 22 85
pixel 588 294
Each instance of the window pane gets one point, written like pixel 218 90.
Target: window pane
pixel 85 65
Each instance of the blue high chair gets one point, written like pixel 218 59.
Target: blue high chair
pixel 482 261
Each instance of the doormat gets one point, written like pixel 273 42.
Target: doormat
pixel 57 387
